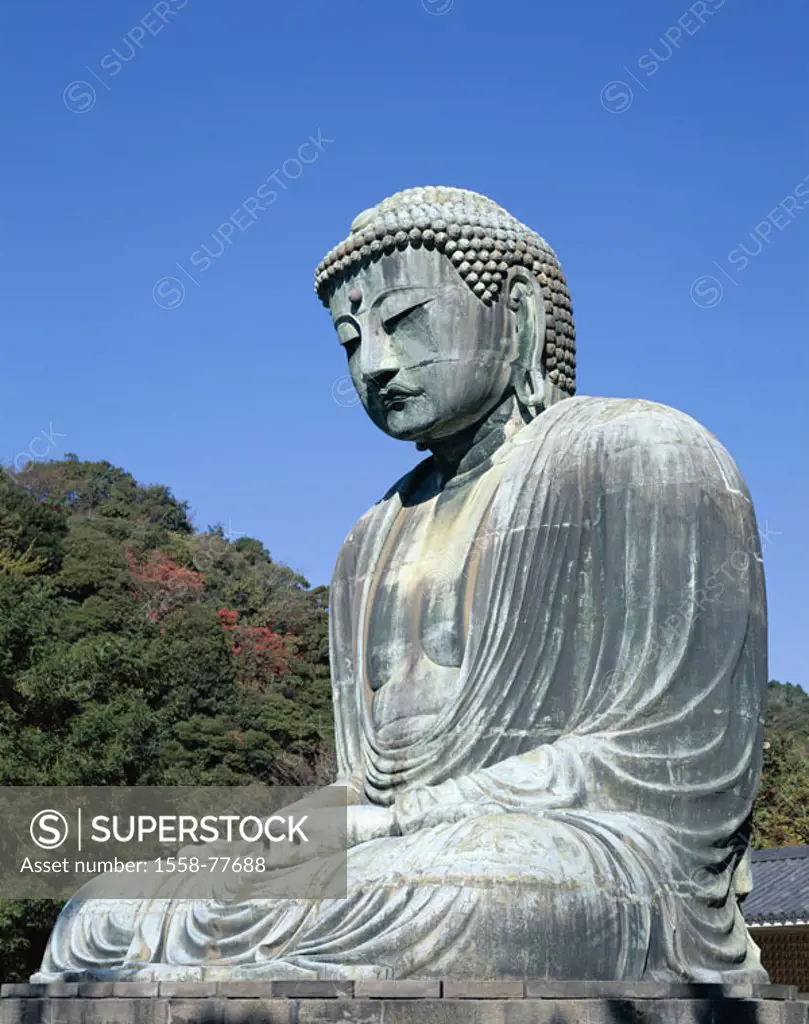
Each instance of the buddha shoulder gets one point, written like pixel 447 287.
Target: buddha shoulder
pixel 632 440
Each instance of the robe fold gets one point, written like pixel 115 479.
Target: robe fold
pixel 580 806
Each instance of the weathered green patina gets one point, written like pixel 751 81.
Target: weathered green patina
pixel 548 648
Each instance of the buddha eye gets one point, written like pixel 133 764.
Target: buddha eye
pixel 407 309
pixel 348 334
pixel 390 323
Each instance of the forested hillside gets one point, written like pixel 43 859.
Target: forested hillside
pixel 782 811
pixel 136 650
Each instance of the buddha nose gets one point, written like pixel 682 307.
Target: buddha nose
pixel 380 378
pixel 379 364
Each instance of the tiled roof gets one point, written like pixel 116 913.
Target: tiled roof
pixel 780 887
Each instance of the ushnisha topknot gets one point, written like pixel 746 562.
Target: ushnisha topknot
pixel 480 238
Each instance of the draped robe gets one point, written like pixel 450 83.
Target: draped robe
pixel 581 805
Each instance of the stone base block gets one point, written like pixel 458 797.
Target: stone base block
pixel 399 1002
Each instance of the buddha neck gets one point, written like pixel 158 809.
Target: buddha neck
pixel 470 450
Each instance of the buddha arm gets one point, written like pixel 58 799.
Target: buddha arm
pixel 550 776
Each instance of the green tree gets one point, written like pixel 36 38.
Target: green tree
pixel 116 663
pixel 781 816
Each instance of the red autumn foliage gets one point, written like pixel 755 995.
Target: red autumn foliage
pixel 261 655
pixel 162 583
pixel 227 617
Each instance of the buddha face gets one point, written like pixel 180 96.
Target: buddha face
pixel 427 357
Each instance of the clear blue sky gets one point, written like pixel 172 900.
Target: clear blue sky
pixel 228 397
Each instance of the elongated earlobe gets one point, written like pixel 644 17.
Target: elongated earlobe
pixel 526 301
pixel 530 390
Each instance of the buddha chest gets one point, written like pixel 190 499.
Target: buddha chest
pixel 419 609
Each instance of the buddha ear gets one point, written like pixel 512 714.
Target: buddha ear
pixel 525 299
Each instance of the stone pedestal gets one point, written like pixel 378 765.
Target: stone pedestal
pixel 399 1002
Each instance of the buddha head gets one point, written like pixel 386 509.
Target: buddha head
pixel 445 306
